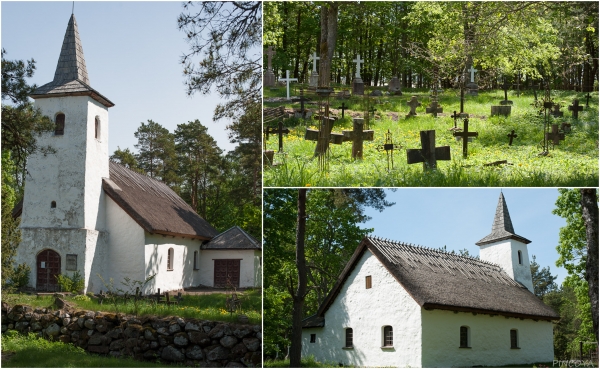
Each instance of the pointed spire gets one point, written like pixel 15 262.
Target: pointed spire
pixel 502 227
pixel 71 63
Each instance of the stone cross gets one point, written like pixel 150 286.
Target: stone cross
pixel 358 136
pixel 575 108
pixel 358 63
pixel 280 131
pixel 389 146
pixel 556 112
pixel 428 154
pixel 287 81
pixel 434 108
pixel 270 53
pixel 314 59
pixel 472 70
pixel 510 136
pixel 465 134
pixel 555 135
pixel 413 103
pixel 343 107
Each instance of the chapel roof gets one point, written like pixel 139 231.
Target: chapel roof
pixel 71 77
pixel 233 238
pixel 502 228
pixel 446 281
pixel 153 205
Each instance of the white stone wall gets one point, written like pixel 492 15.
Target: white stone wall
pixel 258 268
pixel 367 311
pixel 489 340
pixel 505 254
pixel 249 276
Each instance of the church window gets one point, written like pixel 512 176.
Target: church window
pixel 53 204
pixel 520 257
pixel 313 337
pixel 195 260
pixel 368 281
pixel 59 129
pixel 349 337
pixel 388 336
pixel 464 337
pixel 170 259
pixel 514 339
pixel 97 128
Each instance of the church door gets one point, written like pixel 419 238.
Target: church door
pixel 227 272
pixel 48 267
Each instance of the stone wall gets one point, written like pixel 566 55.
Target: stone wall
pixel 191 342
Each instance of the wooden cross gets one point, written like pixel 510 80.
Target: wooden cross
pixel 506 101
pixel 555 135
pixel 372 110
pixel 280 131
pixel 287 81
pixel 314 59
pixel 465 134
pixel 343 107
pixel 455 116
pixel 358 136
pixel 302 99
pixel 575 108
pixel 270 53
pixel 434 108
pixel 323 136
pixel 556 112
pixel 413 103
pixel 428 154
pixel 389 147
pixel 472 70
pixel 358 63
pixel 510 136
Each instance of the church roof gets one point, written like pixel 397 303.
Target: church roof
pixel 441 280
pixel 502 229
pixel 233 238
pixel 153 205
pixel 71 77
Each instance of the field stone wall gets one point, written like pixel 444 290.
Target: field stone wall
pixel 191 342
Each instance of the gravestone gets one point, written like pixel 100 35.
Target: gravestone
pixel 510 136
pixel 324 136
pixel 413 103
pixel 376 93
pixel 472 87
pixel 575 108
pixel 358 136
pixel 287 81
pixel 280 131
pixel 389 146
pixel 465 135
pixel 358 87
pixel 556 111
pixel 394 86
pixel 501 110
pixel 343 107
pixel 269 77
pixel 434 108
pixel 428 154
pixel 314 76
pixel 555 136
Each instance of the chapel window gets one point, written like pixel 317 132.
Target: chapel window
pixel 195 260
pixel 349 337
pixel 170 259
pixel 464 337
pixel 59 129
pixel 313 337
pixel 388 336
pixel 53 204
pixel 97 128
pixel 368 282
pixel 520 257
pixel 514 339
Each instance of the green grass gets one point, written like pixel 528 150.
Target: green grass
pixel 207 307
pixel 308 362
pixel 19 351
pixel 572 163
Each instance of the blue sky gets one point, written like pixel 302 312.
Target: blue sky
pixel 460 217
pixel 132 52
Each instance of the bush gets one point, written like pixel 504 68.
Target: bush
pixel 82 298
pixel 73 284
pixel 20 277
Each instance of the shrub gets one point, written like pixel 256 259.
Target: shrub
pixel 82 298
pixel 20 277
pixel 74 283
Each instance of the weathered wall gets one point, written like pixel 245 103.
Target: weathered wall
pixel 367 311
pixel 489 340
pixel 188 341
pixel 248 261
pixel 505 254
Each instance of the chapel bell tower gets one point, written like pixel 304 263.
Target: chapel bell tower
pixel 505 248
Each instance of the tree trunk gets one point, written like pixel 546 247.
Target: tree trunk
pixel 589 207
pixel 329 15
pixel 298 296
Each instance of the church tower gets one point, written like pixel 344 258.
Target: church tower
pixel 63 218
pixel 505 248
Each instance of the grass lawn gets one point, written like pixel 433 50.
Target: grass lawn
pixel 574 162
pixel 308 362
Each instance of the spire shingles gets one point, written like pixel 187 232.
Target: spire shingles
pixel 71 63
pixel 502 227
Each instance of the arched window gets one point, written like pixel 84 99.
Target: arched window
pixel 170 259
pixel 520 257
pixel 97 128
pixel 514 339
pixel 59 129
pixel 388 336
pixel 53 204
pixel 349 337
pixel 464 337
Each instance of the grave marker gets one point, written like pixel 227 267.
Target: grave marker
pixel 465 134
pixel 575 108
pixel 314 76
pixel 343 107
pixel 434 108
pixel 287 81
pixel 280 131
pixel 555 135
pixel 269 77
pixel 471 85
pixel 587 100
pixel 413 103
pixel 428 154
pixel 556 111
pixel 506 101
pixel 510 136
pixel 358 136
pixel 394 86
pixel 358 87
pixel 455 116
pixel 389 146
pixel 547 105
pixel 565 127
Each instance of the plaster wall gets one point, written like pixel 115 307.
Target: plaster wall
pixel 367 311
pixel 505 254
pixel 489 340
pixel 258 268
pixel 248 260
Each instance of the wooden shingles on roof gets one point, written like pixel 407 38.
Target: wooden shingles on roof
pixel 153 205
pixel 233 238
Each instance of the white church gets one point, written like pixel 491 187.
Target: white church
pixel 400 305
pixel 82 212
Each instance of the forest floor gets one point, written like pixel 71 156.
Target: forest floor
pixel 573 162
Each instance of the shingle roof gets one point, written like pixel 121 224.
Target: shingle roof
pixel 502 228
pixel 440 280
pixel 153 205
pixel 71 77
pixel 233 238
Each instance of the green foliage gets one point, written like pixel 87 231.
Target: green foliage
pixel 85 298
pixel 20 276
pixel 74 283
pixel 126 158
pixel 11 234
pixel 156 152
pixel 543 280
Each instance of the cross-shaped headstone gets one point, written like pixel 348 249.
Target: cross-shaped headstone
pixel 565 127
pixel 287 81
pixel 465 134
pixel 428 154
pixel 455 116
pixel 506 101
pixel 323 136
pixel 473 70
pixel 343 107
pixel 358 136
pixel 587 100
pixel 413 103
pixel 575 108
pixel 358 63
pixel 389 146
pixel 270 53
pixel 314 60
pixel 280 131
pixel 372 110
pixel 556 112
pixel 434 108
pixel 555 135
pixel 510 136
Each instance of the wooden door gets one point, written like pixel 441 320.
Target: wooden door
pixel 227 272
pixel 48 267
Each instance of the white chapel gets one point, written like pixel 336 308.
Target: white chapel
pixel 83 213
pixel 401 305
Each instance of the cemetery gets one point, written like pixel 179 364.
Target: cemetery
pixel 361 110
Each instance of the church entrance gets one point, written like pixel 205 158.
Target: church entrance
pixel 48 267
pixel 227 272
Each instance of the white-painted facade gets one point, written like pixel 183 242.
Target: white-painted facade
pixel 505 253
pixel 250 266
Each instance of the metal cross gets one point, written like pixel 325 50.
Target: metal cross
pixel 343 107
pixel 472 70
pixel 428 154
pixel 505 86
pixel 358 63
pixel 462 101
pixel 510 136
pixel 287 81
pixel 547 105
pixel 389 147
pixel 270 53
pixel 555 136
pixel 280 131
pixel 465 134
pixel 455 116
pixel 575 108
pixel 314 59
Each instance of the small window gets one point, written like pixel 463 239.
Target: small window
pixel 520 257
pixel 53 204
pixel 170 259
pixel 195 260
pixel 388 336
pixel 313 337
pixel 97 128
pixel 71 262
pixel 59 129
pixel 514 339
pixel 349 337
pixel 368 282
pixel 464 337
